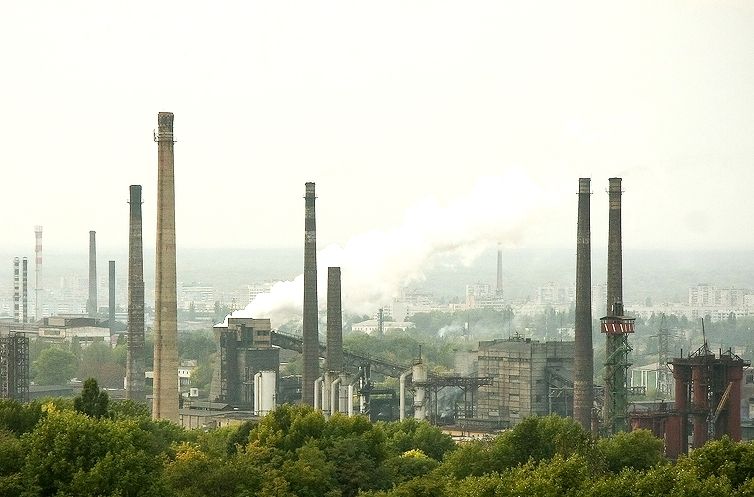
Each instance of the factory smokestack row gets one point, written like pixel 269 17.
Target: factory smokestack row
pixel 135 334
pixel 91 303
pixel 334 357
pixel 165 390
pixel 583 382
pixel 614 247
pixel 310 328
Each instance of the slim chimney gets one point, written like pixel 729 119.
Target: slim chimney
pixel 614 248
pixel 499 289
pixel 111 296
pixel 334 357
pixel 25 290
pixel 38 273
pixel 91 303
pixel 16 290
pixel 311 325
pixel 583 382
pixel 135 336
pixel 165 389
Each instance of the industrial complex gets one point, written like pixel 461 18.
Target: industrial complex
pixel 506 379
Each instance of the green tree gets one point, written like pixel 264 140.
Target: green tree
pixel 638 449
pixel 19 418
pixel 92 401
pixel 55 366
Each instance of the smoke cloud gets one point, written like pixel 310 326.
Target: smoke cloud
pixel 377 264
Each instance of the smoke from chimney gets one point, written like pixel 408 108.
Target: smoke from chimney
pixel 377 265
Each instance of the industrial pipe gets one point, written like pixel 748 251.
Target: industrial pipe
pixel 402 396
pixel 333 394
pixel 317 393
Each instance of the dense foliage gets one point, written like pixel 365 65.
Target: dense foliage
pixel 50 449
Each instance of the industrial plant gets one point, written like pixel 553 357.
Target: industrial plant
pixel 504 380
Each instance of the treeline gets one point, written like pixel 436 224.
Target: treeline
pixel 51 449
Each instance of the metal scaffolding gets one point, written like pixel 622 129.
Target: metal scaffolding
pixel 617 327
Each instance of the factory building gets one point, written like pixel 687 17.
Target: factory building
pixel 244 349
pixel 528 378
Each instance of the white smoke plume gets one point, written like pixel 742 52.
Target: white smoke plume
pixel 376 265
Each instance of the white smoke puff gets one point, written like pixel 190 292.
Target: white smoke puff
pixel 376 265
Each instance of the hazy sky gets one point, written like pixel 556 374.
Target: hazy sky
pixel 385 105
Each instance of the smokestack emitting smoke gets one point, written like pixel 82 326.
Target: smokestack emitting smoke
pixel 583 382
pixel 135 337
pixel 111 296
pixel 311 321
pixel 16 290
pixel 25 290
pixel 377 265
pixel 614 248
pixel 165 390
pixel 91 303
pixel 334 356
pixel 38 273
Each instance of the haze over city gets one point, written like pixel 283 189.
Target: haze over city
pixel 389 109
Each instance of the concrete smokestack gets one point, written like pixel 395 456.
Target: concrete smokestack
pixel 16 290
pixel 311 324
pixel 165 390
pixel 583 378
pixel 334 358
pixel 614 247
pixel 25 290
pixel 38 273
pixel 111 296
pixel 91 303
pixel 499 288
pixel 135 336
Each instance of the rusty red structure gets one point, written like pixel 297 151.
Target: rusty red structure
pixel 707 402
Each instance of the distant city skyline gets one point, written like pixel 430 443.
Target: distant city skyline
pixel 387 108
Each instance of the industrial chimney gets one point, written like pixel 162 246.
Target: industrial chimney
pixel 583 382
pixel 499 288
pixel 25 290
pixel 91 303
pixel 334 358
pixel 111 296
pixel 311 325
pixel 165 389
pixel 16 290
pixel 135 333
pixel 38 273
pixel 614 247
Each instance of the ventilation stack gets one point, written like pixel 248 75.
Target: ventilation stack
pixel 583 383
pixel 111 297
pixel 311 325
pixel 165 389
pixel 38 273
pixel 25 290
pixel 499 288
pixel 334 357
pixel 91 303
pixel 615 324
pixel 135 333
pixel 16 290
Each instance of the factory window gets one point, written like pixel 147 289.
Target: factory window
pixel 749 378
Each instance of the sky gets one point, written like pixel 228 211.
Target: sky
pixel 391 107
